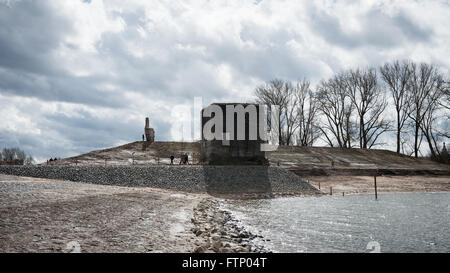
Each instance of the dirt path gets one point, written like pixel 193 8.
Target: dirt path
pixel 365 184
pixel 40 215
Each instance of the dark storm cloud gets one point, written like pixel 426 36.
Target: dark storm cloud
pixel 62 88
pixel 30 33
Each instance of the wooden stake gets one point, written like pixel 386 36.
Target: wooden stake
pixel 375 185
pixel 331 191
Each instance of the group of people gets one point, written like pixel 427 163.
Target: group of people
pixel 184 159
pixel 51 160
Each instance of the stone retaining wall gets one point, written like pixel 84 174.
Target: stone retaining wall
pixel 215 180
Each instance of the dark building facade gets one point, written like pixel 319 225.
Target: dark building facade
pixel 238 145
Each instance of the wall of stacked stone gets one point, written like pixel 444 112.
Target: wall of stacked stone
pixel 198 179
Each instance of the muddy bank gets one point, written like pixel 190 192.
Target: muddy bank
pixel 365 184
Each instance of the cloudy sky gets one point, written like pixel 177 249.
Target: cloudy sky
pixel 81 75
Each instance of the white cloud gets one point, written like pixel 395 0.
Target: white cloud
pixel 99 65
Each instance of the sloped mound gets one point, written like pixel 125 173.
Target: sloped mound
pixel 330 161
pixel 137 153
pixel 301 160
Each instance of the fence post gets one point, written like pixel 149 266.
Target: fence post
pixel 375 185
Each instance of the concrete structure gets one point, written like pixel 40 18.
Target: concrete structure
pixel 149 132
pixel 231 150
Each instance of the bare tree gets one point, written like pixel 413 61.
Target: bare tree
pixel 370 102
pixel 298 110
pixel 429 121
pixel 290 113
pixel 9 154
pixel 15 154
pixel 307 109
pixel 275 93
pixel 20 155
pixel 444 102
pixel 28 160
pixel 396 76
pixel 281 93
pixel 335 105
pixel 425 86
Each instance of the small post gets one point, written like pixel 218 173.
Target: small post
pixel 375 185
pixel 331 191
pixel 342 193
pixel 319 185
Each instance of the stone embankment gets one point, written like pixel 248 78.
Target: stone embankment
pixel 249 181
pixel 218 232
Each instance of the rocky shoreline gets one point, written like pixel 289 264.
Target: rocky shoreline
pixel 219 232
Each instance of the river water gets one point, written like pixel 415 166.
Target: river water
pixel 396 222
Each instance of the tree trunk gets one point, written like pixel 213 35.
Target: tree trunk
pixel 398 132
pixel 416 140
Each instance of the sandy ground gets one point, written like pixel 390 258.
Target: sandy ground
pixel 43 215
pixel 39 215
pixel 365 184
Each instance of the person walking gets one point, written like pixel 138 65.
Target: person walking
pixel 171 159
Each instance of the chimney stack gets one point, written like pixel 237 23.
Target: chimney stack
pixel 149 132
